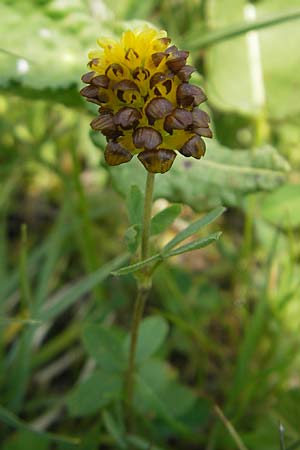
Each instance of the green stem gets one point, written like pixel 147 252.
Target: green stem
pixel 147 216
pixel 143 288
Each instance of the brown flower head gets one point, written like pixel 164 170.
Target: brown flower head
pixel 146 104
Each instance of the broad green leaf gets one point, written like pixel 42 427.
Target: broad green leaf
pixel 230 82
pixel 152 333
pixel 94 393
pixel 178 398
pixel 135 205
pixel 281 207
pixel 47 56
pixel 244 74
pixel 12 420
pixel 156 372
pixel 282 101
pixel 223 176
pixel 195 42
pixel 146 392
pixel 105 347
pixel 194 227
pixel 162 220
pixel 195 245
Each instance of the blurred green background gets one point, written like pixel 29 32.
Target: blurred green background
pixel 226 319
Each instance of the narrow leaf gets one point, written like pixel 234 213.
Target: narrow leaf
pixel 195 245
pixel 161 221
pixel 135 202
pixel 12 420
pixel 194 227
pixel 137 266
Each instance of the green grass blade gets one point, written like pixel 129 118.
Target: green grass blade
pixel 65 298
pixel 233 31
pixel 12 420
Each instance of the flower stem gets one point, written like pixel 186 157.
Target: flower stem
pixel 143 288
pixel 147 216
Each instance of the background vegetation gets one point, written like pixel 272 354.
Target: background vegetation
pixel 219 361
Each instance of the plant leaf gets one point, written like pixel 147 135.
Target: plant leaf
pixel 132 237
pixel 152 333
pixel 103 345
pixel 162 220
pixel 66 297
pixel 194 227
pixel 195 245
pixel 234 31
pixel 137 266
pixel 12 420
pixel 222 177
pixel 94 393
pixel 281 207
pixel 135 205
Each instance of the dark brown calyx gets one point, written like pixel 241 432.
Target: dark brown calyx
pixel 127 118
pixel 177 60
pixel 158 108
pixel 147 138
pixel 157 160
pixel 95 94
pixel 194 147
pixel 126 86
pixel 205 132
pixel 158 77
pixel 106 125
pixel 189 95
pixel 162 88
pixel 87 77
pixel 180 119
pixel 200 118
pixel 165 40
pixel 158 57
pixel 171 49
pixel 89 92
pixel 100 81
pixel 114 70
pixel 184 74
pixel 140 74
pixel 116 154
pixel 93 62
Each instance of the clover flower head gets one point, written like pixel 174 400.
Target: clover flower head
pixel 146 104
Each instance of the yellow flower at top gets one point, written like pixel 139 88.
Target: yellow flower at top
pixel 146 104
